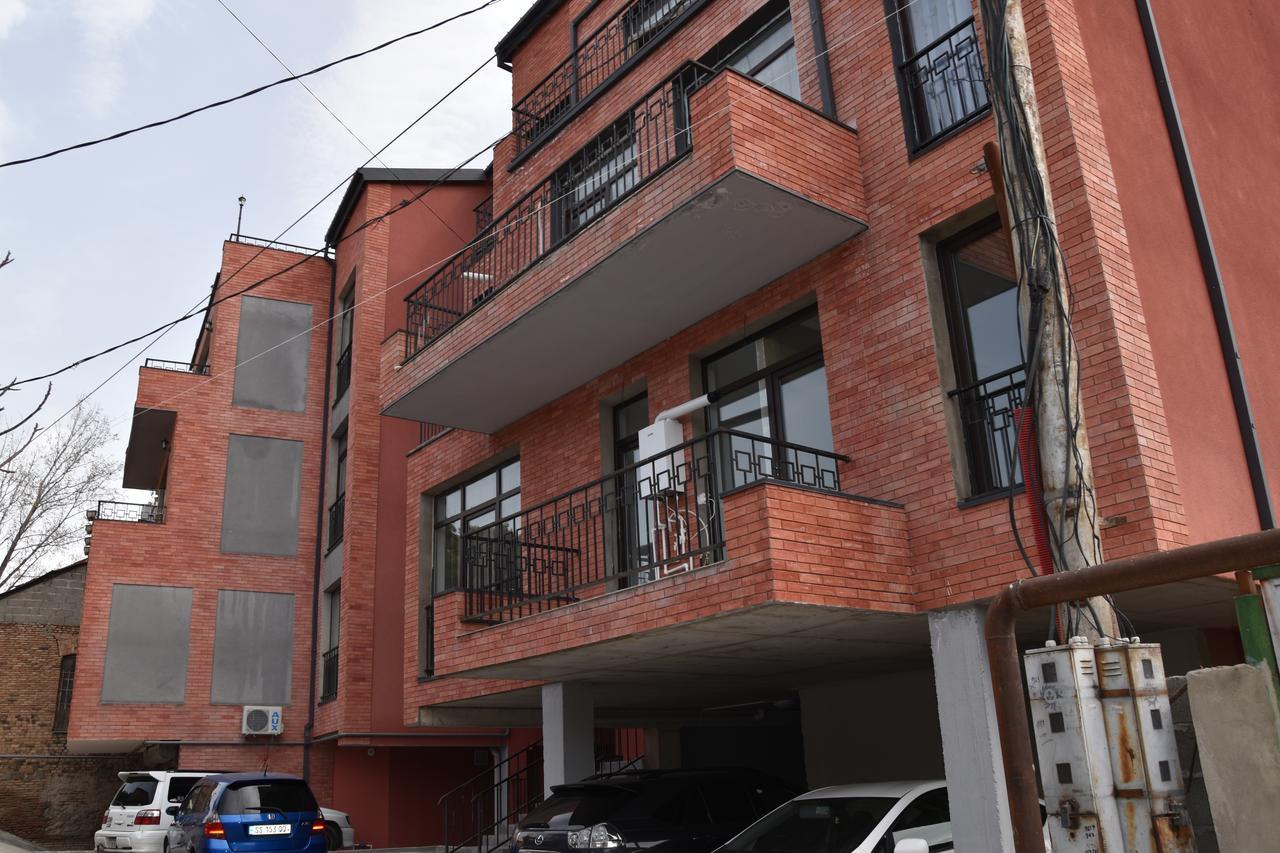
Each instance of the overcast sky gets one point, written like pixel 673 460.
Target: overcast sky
pixel 114 240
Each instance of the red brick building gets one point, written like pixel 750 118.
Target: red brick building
pixel 498 530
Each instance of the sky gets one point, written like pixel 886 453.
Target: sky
pixel 114 240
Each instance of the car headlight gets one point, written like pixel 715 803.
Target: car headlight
pixel 598 837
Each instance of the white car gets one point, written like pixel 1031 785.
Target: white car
pixel 880 817
pixel 142 811
pixel 138 817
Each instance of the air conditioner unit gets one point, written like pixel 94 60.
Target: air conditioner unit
pixel 262 720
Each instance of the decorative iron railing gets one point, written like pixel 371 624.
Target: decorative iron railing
pixel 342 374
pixel 429 640
pixel 177 366
pixel 132 512
pixel 337 520
pixel 484 214
pixel 276 244
pixel 329 675
pixel 635 148
pixel 991 413
pixel 944 83
pixel 482 812
pixel 598 59
pixel 430 432
pixel 658 517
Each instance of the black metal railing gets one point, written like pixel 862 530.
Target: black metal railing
pixel 639 145
pixel 484 214
pixel 177 366
pixel 991 414
pixel 122 511
pixel 483 811
pixel 428 640
pixel 276 244
pixel 329 675
pixel 658 517
pixel 944 83
pixel 337 520
pixel 430 432
pixel 598 59
pixel 619 750
pixel 342 374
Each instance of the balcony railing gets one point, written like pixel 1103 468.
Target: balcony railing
pixel 177 366
pixel 658 517
pixel 991 412
pixel 329 675
pixel 429 640
pixel 944 82
pixel 639 145
pixel 264 243
pixel 122 511
pixel 337 519
pixel 598 59
pixel 342 374
pixel 484 214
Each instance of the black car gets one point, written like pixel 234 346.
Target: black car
pixel 674 811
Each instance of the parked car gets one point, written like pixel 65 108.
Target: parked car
pixel 885 817
pixel 248 813
pixel 678 811
pixel 338 831
pixel 137 818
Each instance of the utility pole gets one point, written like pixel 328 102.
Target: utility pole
pixel 1069 501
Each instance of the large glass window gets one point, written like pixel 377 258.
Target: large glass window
pixel 466 508
pixel 939 65
pixel 774 386
pixel 346 323
pixel 590 183
pixel 981 294
pixel 769 56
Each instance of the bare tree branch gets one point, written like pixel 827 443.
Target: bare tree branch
pixel 5 430
pixel 50 478
pixel 8 259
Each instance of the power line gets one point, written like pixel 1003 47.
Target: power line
pixel 257 90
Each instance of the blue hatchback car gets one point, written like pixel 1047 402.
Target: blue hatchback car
pixel 247 813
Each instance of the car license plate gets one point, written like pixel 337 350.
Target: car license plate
pixel 270 829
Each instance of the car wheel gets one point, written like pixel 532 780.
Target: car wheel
pixel 332 836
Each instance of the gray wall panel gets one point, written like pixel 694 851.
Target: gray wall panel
pixel 262 495
pixel 277 377
pixel 147 644
pixel 252 648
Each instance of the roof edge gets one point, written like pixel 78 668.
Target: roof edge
pixel 529 21
pixel 49 575
pixel 373 175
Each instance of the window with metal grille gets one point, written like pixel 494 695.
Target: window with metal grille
pixel 605 170
pixel 66 682
pixel 980 294
pixel 939 67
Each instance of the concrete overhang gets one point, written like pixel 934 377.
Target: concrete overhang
pixel 728 241
pixel 147 458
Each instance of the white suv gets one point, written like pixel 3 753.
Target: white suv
pixel 138 817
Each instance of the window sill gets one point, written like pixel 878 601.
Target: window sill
pixel 990 497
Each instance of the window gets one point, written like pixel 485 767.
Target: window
pixel 329 660
pixel 180 786
pixel 774 386
pixel 66 681
pixel 928 816
pixel 645 19
pixel 769 56
pixel 605 170
pixel 282 795
pixel 346 322
pixel 980 293
pixel 136 791
pixel 939 66
pixel 636 519
pixel 338 509
pixel 464 509
pixel 333 615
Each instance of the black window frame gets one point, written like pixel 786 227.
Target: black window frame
pixel 981 468
pixel 901 62
pixel 765 30
pixel 66 685
pixel 338 506
pixel 439 522
pixel 599 161
pixel 346 332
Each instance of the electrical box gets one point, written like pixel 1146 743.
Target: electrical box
pixel 1071 741
pixel 665 470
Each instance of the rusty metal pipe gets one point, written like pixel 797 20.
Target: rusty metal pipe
pixel 1240 553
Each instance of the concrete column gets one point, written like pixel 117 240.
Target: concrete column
pixel 568 733
pixel 970 740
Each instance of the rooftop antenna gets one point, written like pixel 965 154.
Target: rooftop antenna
pixel 240 215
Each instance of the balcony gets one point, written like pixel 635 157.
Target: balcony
pixel 707 189
pixel 337 520
pixel 596 61
pixel 342 374
pixel 731 554
pixel 177 366
pixel 150 513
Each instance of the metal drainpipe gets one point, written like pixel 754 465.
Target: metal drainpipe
pixel 1241 553
pixel 319 562
pixel 1209 267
